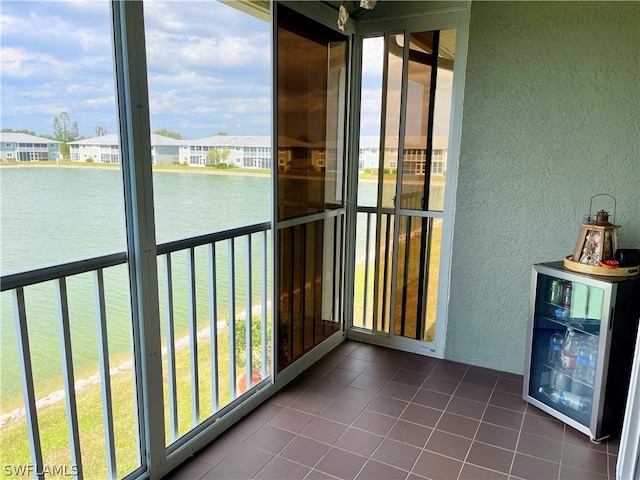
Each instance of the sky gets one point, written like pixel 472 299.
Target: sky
pixel 208 68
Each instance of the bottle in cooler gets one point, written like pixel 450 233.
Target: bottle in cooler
pixel 593 364
pixel 555 349
pixel 567 292
pixel 593 359
pixel 569 353
pixel 582 362
pixel 578 384
pixel 559 381
pixel 568 399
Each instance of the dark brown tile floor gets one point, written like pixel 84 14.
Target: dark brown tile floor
pixel 368 412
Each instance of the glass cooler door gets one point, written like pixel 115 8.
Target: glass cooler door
pixel 565 345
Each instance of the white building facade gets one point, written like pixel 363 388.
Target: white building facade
pixel 414 160
pixel 248 151
pixel 105 149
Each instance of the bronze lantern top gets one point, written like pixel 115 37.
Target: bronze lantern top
pixel 602 218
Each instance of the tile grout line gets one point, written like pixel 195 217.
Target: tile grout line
pixel 299 434
pixel 515 448
pixel 478 428
pixel 438 361
pixel 348 426
pixel 384 437
pixel 440 417
pixel 396 420
pixel 341 435
pixel 564 434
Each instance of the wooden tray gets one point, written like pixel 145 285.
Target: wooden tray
pixel 598 270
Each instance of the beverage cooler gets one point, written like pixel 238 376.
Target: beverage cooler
pixel 580 344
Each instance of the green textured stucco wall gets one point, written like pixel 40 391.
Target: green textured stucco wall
pixel 551 117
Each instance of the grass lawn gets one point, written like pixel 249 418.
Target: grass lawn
pixel 412 263
pixel 52 420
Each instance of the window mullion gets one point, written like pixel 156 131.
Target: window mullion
pixel 135 145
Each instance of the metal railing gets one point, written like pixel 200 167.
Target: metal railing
pixel 408 301
pixel 374 256
pixel 211 242
pixel 16 282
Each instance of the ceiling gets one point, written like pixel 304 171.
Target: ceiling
pixel 260 8
pixel 447 37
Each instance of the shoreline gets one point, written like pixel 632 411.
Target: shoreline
pixel 178 169
pixel 162 168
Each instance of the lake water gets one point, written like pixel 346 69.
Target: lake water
pixel 51 215
pixel 54 214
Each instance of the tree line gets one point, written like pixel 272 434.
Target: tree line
pixel 64 130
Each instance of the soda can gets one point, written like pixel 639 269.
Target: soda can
pixel 566 296
pixel 556 292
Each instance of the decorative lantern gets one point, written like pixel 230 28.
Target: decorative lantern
pixel 598 238
pixel 343 16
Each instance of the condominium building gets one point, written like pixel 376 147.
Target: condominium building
pixel 414 155
pixel 22 147
pixel 246 151
pixel 251 151
pixel 105 149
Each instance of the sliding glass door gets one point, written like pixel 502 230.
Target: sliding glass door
pixel 311 92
